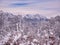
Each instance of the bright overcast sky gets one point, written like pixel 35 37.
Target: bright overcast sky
pixel 47 8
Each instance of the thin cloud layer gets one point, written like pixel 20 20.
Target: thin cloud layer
pixel 45 7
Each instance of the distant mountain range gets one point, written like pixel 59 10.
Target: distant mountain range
pixel 35 18
pixel 28 17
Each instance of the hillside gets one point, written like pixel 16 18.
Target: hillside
pixel 29 29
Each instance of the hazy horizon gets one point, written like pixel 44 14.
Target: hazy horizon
pixel 48 8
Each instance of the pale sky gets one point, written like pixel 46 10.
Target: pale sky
pixel 48 8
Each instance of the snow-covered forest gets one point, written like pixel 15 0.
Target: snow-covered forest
pixel 29 29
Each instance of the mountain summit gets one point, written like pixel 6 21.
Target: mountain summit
pixel 36 17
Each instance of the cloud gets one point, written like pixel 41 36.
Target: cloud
pixel 19 4
pixel 30 3
pixel 45 7
pixel 24 11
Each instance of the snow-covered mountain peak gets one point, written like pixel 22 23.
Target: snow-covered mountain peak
pixel 35 17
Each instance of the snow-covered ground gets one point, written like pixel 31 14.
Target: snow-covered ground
pixel 24 30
